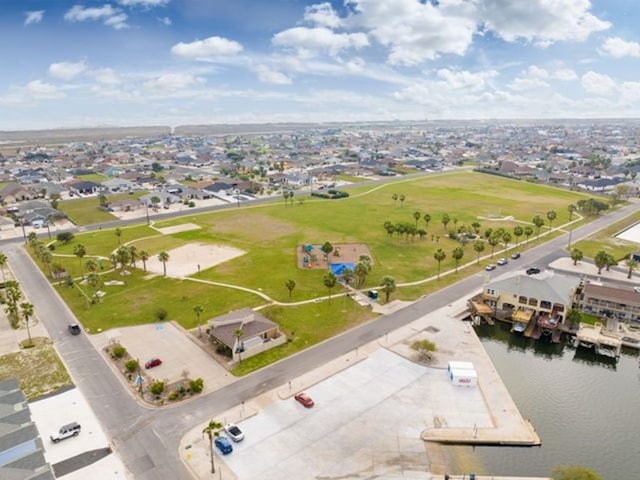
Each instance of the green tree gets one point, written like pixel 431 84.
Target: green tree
pixel 362 270
pixel 518 231
pixel 326 248
pixel 424 347
pixel 574 316
pixel 65 237
pixel 574 473
pixel 388 286
pixel 133 255
pixel 478 247
pixel 571 209
pixel 493 241
pixel 123 256
pixel 144 256
pixel 439 256
pixel 164 258
pixel 212 429
pixel 416 217
pixel 79 251
pixel 12 297
pixel 3 263
pixel 93 279
pixel 601 260
pixel 457 255
pixel 103 199
pixel 402 198
pixel 330 281
pixel 576 256
pixel 348 275
pixel 290 284
pixel 476 227
pixel 506 238
pixel 118 233
pixel 551 216
pixel 445 220
pixel 538 222
pixel 427 219
pixel 27 313
pixel 395 198
pixel 632 263
pixel 528 231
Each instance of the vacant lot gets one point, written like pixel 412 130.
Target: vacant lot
pixel 605 240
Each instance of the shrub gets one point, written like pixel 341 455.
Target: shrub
pixel 51 246
pixel 192 204
pixel 197 385
pixel 161 314
pixel 119 351
pixel 173 396
pixel 65 237
pixel 157 387
pixel 131 365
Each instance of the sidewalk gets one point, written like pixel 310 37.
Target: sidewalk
pixel 616 273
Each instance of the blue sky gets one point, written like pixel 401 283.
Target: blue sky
pixel 175 62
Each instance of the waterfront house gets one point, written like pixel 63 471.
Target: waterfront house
pixel 611 302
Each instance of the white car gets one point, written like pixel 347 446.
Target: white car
pixel 502 261
pixel 234 432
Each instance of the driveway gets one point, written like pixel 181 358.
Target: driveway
pixel 172 345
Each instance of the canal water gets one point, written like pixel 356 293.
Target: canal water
pixel 585 408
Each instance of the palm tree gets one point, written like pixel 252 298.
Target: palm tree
pixel 632 263
pixel 27 313
pixel 528 231
pixel 79 251
pixel 416 216
pixel 3 263
pixel 91 265
pixel 445 220
pixel 439 256
pixel 285 195
pixel 93 279
pixel 347 275
pixel 362 270
pixel 457 255
pixel 212 429
pixel 330 281
pixel 133 255
pixel 290 284
pixel 198 309
pixel 506 238
pixel 576 255
pixel 402 198
pixel 238 333
pixel 46 257
pixel 571 208
pixel 144 256
pixel 164 258
pixel 601 260
pixel 478 247
pixel 427 219
pixel 122 254
pixel 388 285
pixel 517 232
pixel 118 234
pixel 13 296
pixel 395 198
pixel 493 241
pixel 551 216
pixel 476 227
pixel 538 222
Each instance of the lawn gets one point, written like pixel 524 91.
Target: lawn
pixel 94 177
pixel 605 240
pixel 86 211
pixel 38 370
pixel 343 177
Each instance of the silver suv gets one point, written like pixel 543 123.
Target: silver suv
pixel 66 431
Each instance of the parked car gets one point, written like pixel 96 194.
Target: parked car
pixel 502 261
pixel 234 432
pixel 304 399
pixel 74 329
pixel 490 267
pixel 533 271
pixel 224 445
pixel 515 255
pixel 66 431
pixel 154 362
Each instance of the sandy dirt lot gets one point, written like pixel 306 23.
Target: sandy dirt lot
pixel 191 258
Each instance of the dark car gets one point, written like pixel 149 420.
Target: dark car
pixel 533 271
pixel 304 399
pixel 224 445
pixel 74 329
pixel 490 267
pixel 154 362
pixel 515 256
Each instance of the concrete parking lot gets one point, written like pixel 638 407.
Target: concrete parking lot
pixel 51 413
pixel 171 344
pixel 366 423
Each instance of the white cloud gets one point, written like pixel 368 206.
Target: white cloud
pixel 40 89
pixel 269 75
pixel 106 76
pixel 522 84
pixel 322 15
pixel 143 3
pixel 416 31
pixel 618 48
pixel 598 83
pixel 112 17
pixel 67 70
pixel 565 74
pixel 174 81
pixel 536 72
pixel 540 21
pixel 319 40
pixel 630 91
pixel 207 48
pixel 464 79
pixel 166 21
pixel 33 17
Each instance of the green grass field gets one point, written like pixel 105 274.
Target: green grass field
pixel 86 211
pixel 94 177
pixel 270 234
pixel 605 240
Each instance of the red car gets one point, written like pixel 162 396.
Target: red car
pixel 154 362
pixel 304 399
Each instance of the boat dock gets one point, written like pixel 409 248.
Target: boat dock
pixel 604 342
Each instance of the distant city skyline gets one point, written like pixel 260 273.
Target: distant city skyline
pixel 175 62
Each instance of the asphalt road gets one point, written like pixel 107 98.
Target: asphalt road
pixel 147 439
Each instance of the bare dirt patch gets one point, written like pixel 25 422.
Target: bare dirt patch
pixel 342 253
pixel 262 227
pixel 184 227
pixel 192 258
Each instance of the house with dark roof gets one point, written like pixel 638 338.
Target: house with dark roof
pixel 244 333
pixel 84 187
pixel 21 448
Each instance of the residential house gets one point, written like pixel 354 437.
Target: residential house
pixel 126 205
pixel 244 333
pixel 84 187
pixel 13 193
pixel 119 185
pixel 611 302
